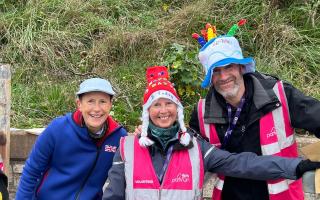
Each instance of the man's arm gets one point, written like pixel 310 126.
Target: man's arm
pixel 304 110
pixel 36 165
pixel 115 189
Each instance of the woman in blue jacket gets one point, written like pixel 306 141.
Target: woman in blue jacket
pixel 71 158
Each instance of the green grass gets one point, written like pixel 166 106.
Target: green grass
pixel 53 45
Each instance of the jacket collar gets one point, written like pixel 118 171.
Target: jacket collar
pixel 112 125
pixel 262 95
pixel 177 146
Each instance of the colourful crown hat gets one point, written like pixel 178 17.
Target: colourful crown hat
pixel 210 32
pixel 219 51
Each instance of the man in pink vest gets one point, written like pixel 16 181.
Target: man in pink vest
pixel 246 111
pixel 167 163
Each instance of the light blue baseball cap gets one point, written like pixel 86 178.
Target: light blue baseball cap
pixel 96 85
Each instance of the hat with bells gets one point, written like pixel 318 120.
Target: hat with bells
pixel 158 86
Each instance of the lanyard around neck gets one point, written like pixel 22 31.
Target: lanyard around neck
pixel 166 162
pixel 232 122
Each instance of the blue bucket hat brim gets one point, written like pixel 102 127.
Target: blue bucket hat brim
pixel 249 64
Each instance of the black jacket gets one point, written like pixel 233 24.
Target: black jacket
pixel 260 100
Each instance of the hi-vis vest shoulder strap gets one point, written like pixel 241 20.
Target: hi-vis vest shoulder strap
pixel 182 180
pixel 207 130
pixel 276 138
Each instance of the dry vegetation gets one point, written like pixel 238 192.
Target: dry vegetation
pixel 52 45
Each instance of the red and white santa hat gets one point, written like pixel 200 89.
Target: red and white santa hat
pixel 158 86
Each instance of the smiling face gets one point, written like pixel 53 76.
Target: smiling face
pixel 163 113
pixel 228 81
pixel 95 108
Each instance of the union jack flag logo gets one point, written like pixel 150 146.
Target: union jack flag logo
pixel 109 148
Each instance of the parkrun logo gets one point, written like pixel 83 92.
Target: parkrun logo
pixel 181 178
pixel 144 181
pixel 272 133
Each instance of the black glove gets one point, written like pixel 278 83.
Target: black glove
pixel 306 165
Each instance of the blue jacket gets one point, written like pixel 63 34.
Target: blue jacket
pixel 65 163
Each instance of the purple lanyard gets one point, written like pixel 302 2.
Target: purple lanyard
pixel 166 162
pixel 232 123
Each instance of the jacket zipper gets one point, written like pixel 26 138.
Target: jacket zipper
pixel 94 164
pixel 88 175
pixel 44 177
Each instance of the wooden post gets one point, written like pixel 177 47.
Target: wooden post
pixel 5 103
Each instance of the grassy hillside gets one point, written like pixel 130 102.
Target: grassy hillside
pixel 53 45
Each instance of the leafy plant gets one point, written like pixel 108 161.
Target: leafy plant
pixel 185 70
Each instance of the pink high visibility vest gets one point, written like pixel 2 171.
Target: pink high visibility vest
pixel 182 180
pixel 276 138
